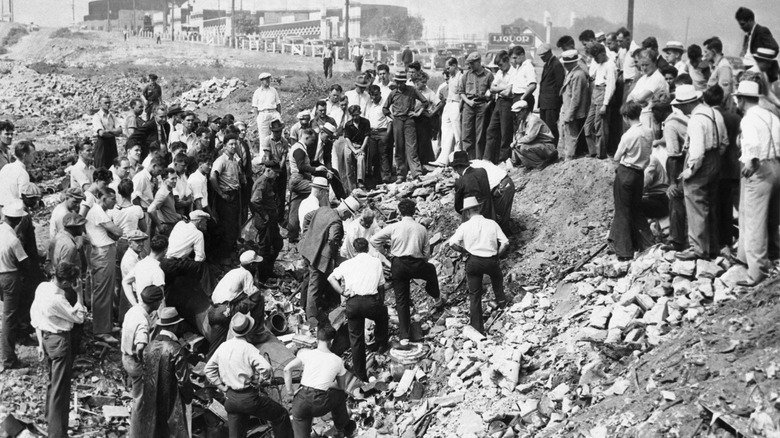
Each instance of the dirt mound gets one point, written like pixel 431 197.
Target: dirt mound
pixel 562 213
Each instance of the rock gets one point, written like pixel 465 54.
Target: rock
pixel 615 269
pixel 657 292
pixel 618 388
pixel 585 289
pixel 634 336
pixel 704 287
pixel 644 302
pixel 599 317
pixel 623 315
pixel 622 285
pixel 559 392
pixel 470 422
pixel 708 269
pixel 668 395
pixel 735 274
pixel 658 314
pixel 681 286
pixel 613 335
pixel 592 334
pixel 686 268
pixel 722 291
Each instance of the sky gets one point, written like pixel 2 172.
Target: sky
pixel 479 17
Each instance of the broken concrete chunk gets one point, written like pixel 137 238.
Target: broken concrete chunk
pixel 559 392
pixel 708 269
pixel 644 302
pixel 623 315
pixel 681 286
pixel 658 314
pixel 599 317
pixel 686 268
pixel 592 334
pixel 735 274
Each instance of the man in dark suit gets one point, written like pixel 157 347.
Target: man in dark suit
pixel 755 35
pixel 550 100
pixel 472 182
pixel 160 130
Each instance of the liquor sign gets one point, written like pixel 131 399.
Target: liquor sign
pixel 518 40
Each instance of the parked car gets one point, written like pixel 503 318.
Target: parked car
pixel 442 55
pixel 293 39
pixel 424 55
pixel 417 43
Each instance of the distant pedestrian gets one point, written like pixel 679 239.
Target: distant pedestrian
pixel 152 95
pixel 267 106
pixel 357 56
pixel 328 60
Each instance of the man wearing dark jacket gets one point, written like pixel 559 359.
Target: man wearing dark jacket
pixel 550 100
pixel 472 182
pixel 322 234
pixel 756 35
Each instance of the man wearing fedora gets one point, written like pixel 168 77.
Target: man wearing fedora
pixel 550 85
pixel 235 293
pixel 675 132
pixel 53 318
pixel 767 70
pixel 756 35
pixel 277 148
pixel 136 334
pixel 265 214
pixel 534 143
pixel 707 139
pixel 358 96
pixel 602 89
pixel 319 197
pixel 674 51
pixel 317 396
pixel 301 172
pixel 152 96
pixel 235 368
pixel 409 251
pixel 474 86
pixel 167 387
pixel 323 231
pixel 482 242
pixel 12 259
pixel 105 126
pixel 304 121
pixel 267 105
pixel 576 101
pixel 400 106
pixel 759 201
pixel 471 181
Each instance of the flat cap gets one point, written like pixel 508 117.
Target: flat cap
pixel 474 56
pixel 73 220
pixel 152 294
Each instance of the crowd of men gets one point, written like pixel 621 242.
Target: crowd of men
pixel 147 240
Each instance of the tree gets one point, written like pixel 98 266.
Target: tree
pixel 246 24
pixel 400 28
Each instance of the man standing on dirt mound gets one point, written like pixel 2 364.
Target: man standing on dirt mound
pixel 152 95
pixel 267 106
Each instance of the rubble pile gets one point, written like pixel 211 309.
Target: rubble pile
pixel 209 92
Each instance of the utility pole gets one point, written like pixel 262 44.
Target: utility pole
pixel 134 13
pixel 233 23
pixel 173 9
pixel 11 11
pixel 73 10
pixel 346 29
pixel 630 19
pixel 108 15
pixel 687 23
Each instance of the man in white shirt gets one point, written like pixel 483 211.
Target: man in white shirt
pixel 649 85
pixel 143 186
pixel 136 241
pixel 626 62
pixel 357 56
pixel 106 129
pixel 187 237
pixel 234 368
pixel 760 199
pixel 81 172
pixel 365 226
pixel 602 90
pixel 267 105
pixel 359 96
pixel 501 126
pixel 147 272
pixel 382 80
pixel 14 175
pixel 103 234
pixel 362 276
pixel 450 116
pixel 319 197
pixel 483 242
pixel 53 317
pixel 198 182
pixel 317 396
pixel 186 134
pixel 181 191
pixel 119 171
pixel 380 148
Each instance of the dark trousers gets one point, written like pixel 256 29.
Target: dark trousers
pixel 310 403
pixel 727 189
pixel 655 206
pixel 423 127
pixel 550 118
pixel 630 231
pixel 358 63
pixel 476 267
pixel 269 242
pixel 404 269
pixel 327 67
pixel 503 199
pixel 280 190
pixel 701 200
pixel 406 157
pixel 11 294
pixel 380 158
pixel 320 296
pixel 228 213
pixel 473 122
pixel 240 405
pixel 359 308
pixel 500 131
pixel 678 222
pixel 105 152
pixel 300 189
pixel 184 267
pixel 58 356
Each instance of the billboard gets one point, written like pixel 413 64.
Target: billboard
pixel 501 39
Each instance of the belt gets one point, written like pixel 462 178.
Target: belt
pixel 378 130
pixel 309 388
pixel 375 295
pixel 242 390
pixel 52 333
pixel 632 167
pixel 601 86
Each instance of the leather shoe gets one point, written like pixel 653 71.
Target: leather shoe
pixel 686 255
pixel 440 303
pixel 671 247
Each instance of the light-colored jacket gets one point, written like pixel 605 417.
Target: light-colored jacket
pixel 576 95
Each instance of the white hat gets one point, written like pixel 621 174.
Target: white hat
pixel 329 128
pixel 470 202
pixel 685 93
pixel 570 56
pixel 198 215
pixel 765 54
pixel 674 45
pixel 320 181
pixel 249 257
pixel 519 105
pixel 748 89
pixel 15 208
pixel 303 115
pixel 352 204
pixel 264 75
pixel 599 34
pixel 257 161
